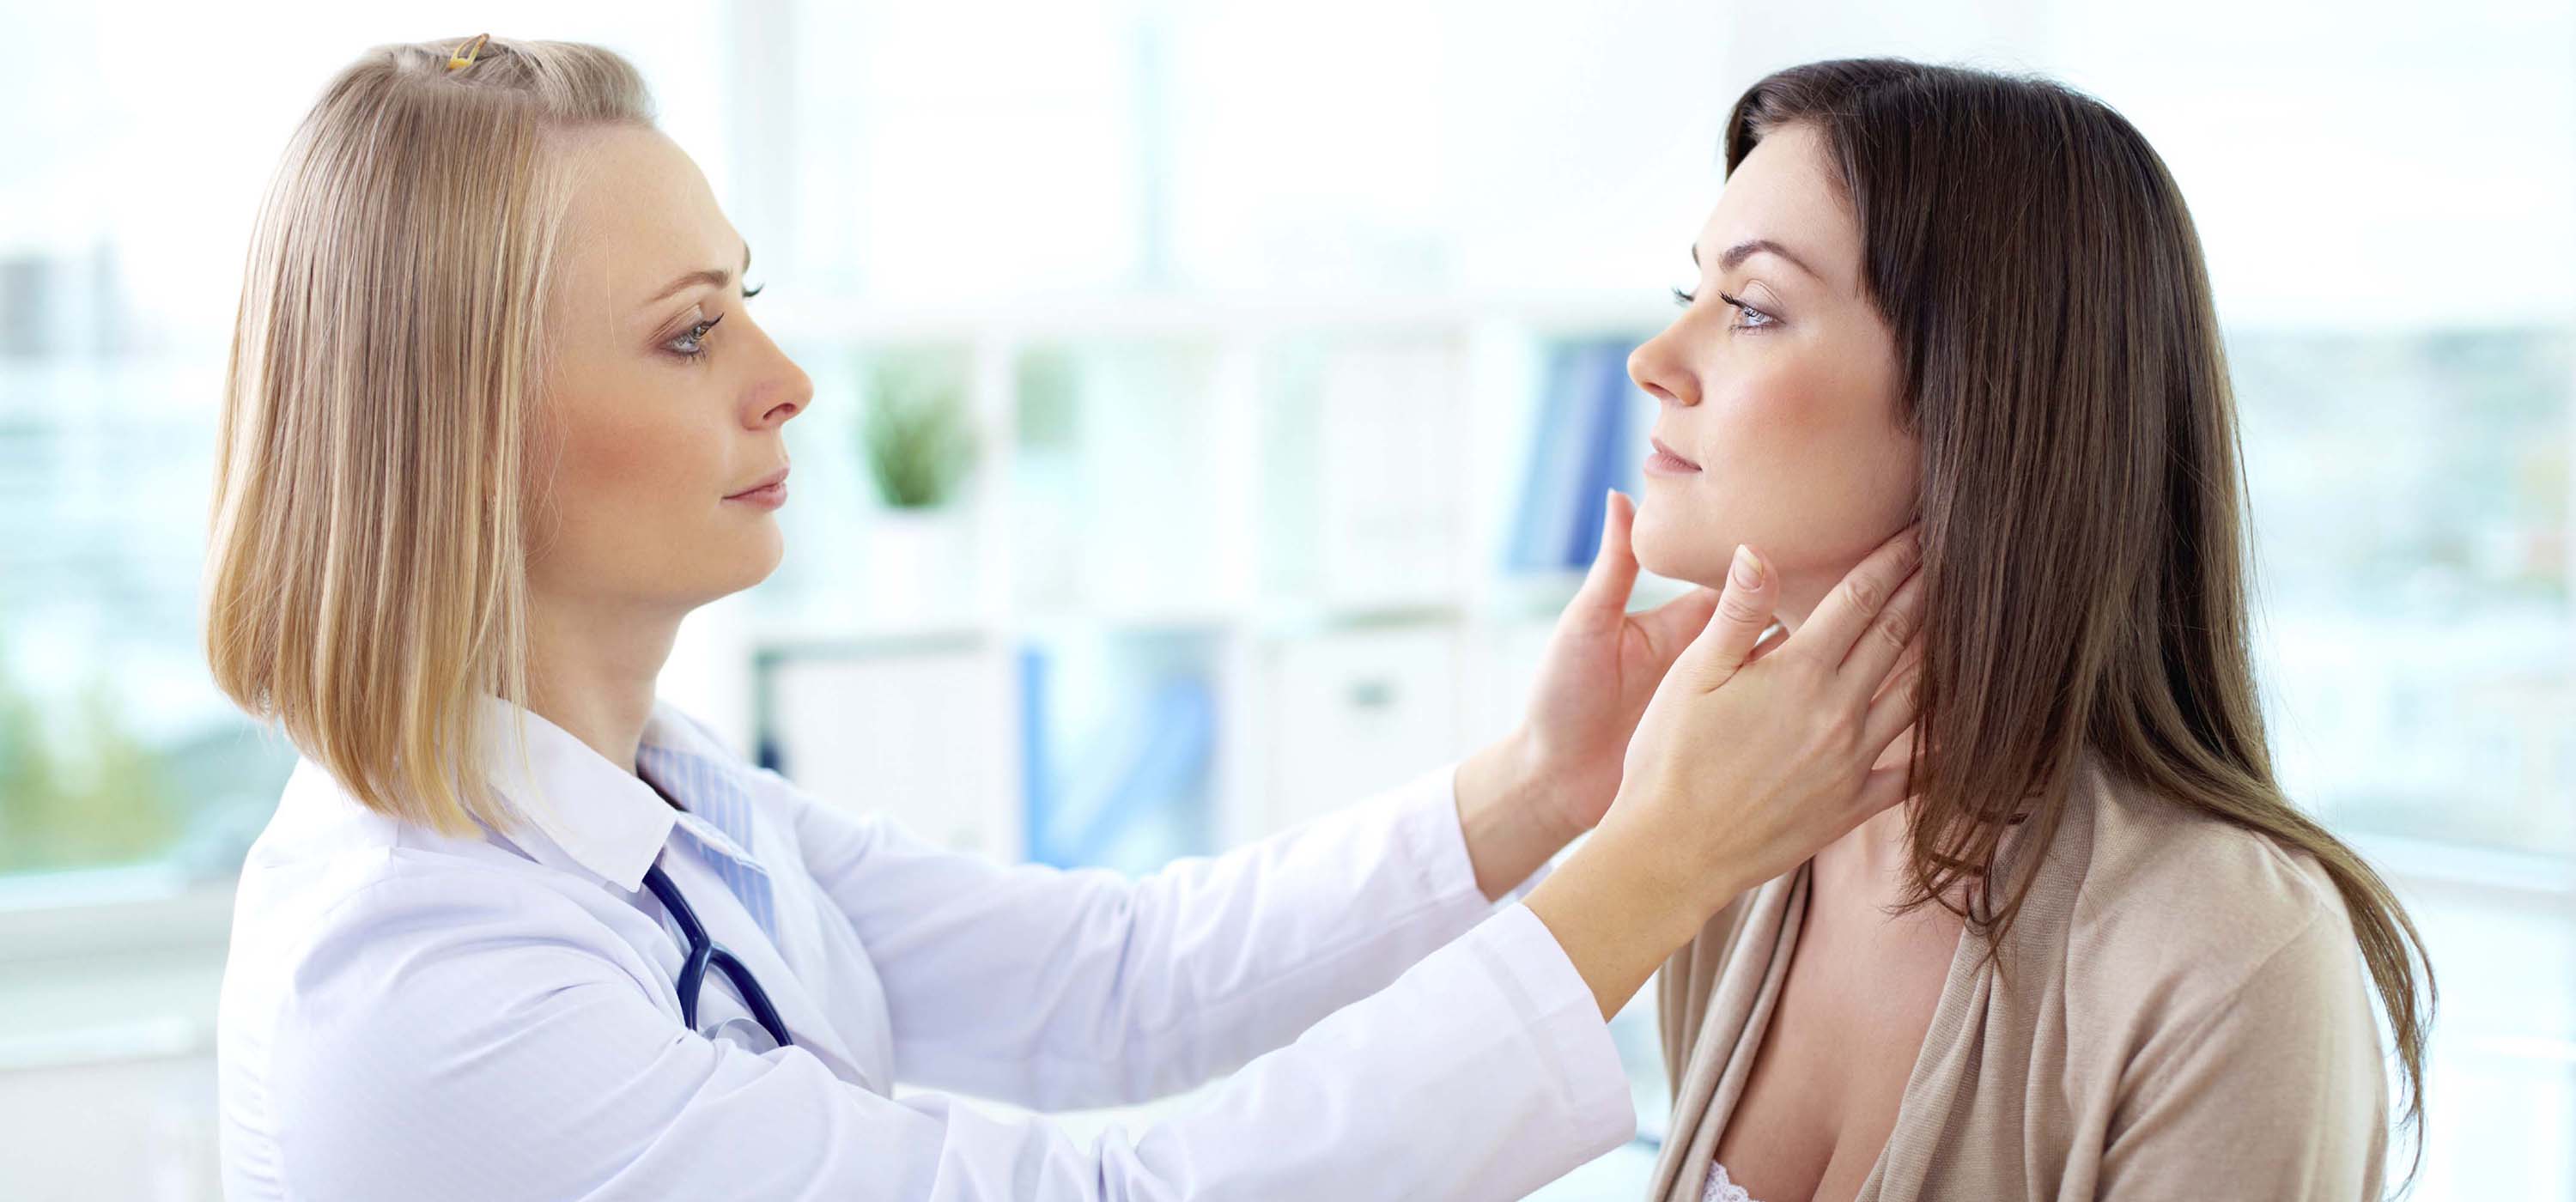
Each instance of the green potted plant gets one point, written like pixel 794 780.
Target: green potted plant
pixel 916 436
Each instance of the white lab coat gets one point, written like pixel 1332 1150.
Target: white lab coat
pixel 412 1016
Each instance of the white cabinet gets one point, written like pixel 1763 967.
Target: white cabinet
pixel 1353 712
pixel 918 731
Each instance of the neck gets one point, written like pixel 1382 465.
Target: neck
pixel 1869 862
pixel 592 668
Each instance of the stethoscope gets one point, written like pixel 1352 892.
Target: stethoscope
pixel 704 951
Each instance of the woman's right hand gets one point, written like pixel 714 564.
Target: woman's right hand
pixel 1743 765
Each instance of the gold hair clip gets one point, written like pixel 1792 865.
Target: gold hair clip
pixel 467 53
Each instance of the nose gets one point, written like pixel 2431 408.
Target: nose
pixel 1658 366
pixel 792 394
pixel 781 394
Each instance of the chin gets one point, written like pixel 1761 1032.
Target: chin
pixel 751 562
pixel 767 564
pixel 1678 554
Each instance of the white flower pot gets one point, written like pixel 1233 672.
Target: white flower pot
pixel 918 564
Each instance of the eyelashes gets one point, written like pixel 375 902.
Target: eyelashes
pixel 1743 311
pixel 693 343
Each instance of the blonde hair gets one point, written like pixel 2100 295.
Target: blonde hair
pixel 366 575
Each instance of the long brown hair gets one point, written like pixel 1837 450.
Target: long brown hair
pixel 2062 368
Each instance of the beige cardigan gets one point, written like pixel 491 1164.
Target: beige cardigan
pixel 2182 1014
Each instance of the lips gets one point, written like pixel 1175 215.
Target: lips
pixel 772 478
pixel 1672 454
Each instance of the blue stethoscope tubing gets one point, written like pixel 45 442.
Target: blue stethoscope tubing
pixel 703 952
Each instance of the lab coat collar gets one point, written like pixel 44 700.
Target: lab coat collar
pixel 587 813
pixel 588 816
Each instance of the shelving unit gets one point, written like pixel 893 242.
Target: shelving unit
pixel 1307 500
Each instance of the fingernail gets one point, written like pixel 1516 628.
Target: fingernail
pixel 1748 571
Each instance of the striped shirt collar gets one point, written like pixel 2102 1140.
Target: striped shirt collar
pixel 588 813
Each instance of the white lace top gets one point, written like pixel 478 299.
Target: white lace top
pixel 1720 1189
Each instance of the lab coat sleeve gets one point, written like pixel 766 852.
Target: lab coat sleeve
pixel 1059 989
pixel 465 1035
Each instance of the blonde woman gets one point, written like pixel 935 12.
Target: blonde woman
pixel 499 417
pixel 2098 953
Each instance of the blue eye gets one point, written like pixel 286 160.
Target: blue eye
pixel 1749 311
pixel 693 344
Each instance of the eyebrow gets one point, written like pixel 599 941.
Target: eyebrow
pixel 1735 255
pixel 711 275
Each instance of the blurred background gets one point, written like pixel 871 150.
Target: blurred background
pixel 1215 401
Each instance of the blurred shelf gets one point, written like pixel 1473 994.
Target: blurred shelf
pixel 1530 603
pixel 1111 316
pixel 74 391
pixel 2535 878
pixel 139 911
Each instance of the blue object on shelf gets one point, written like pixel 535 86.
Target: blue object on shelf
pixel 1588 440
pixel 1037 770
pixel 1136 798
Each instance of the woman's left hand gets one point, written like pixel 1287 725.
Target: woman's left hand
pixel 1553 777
